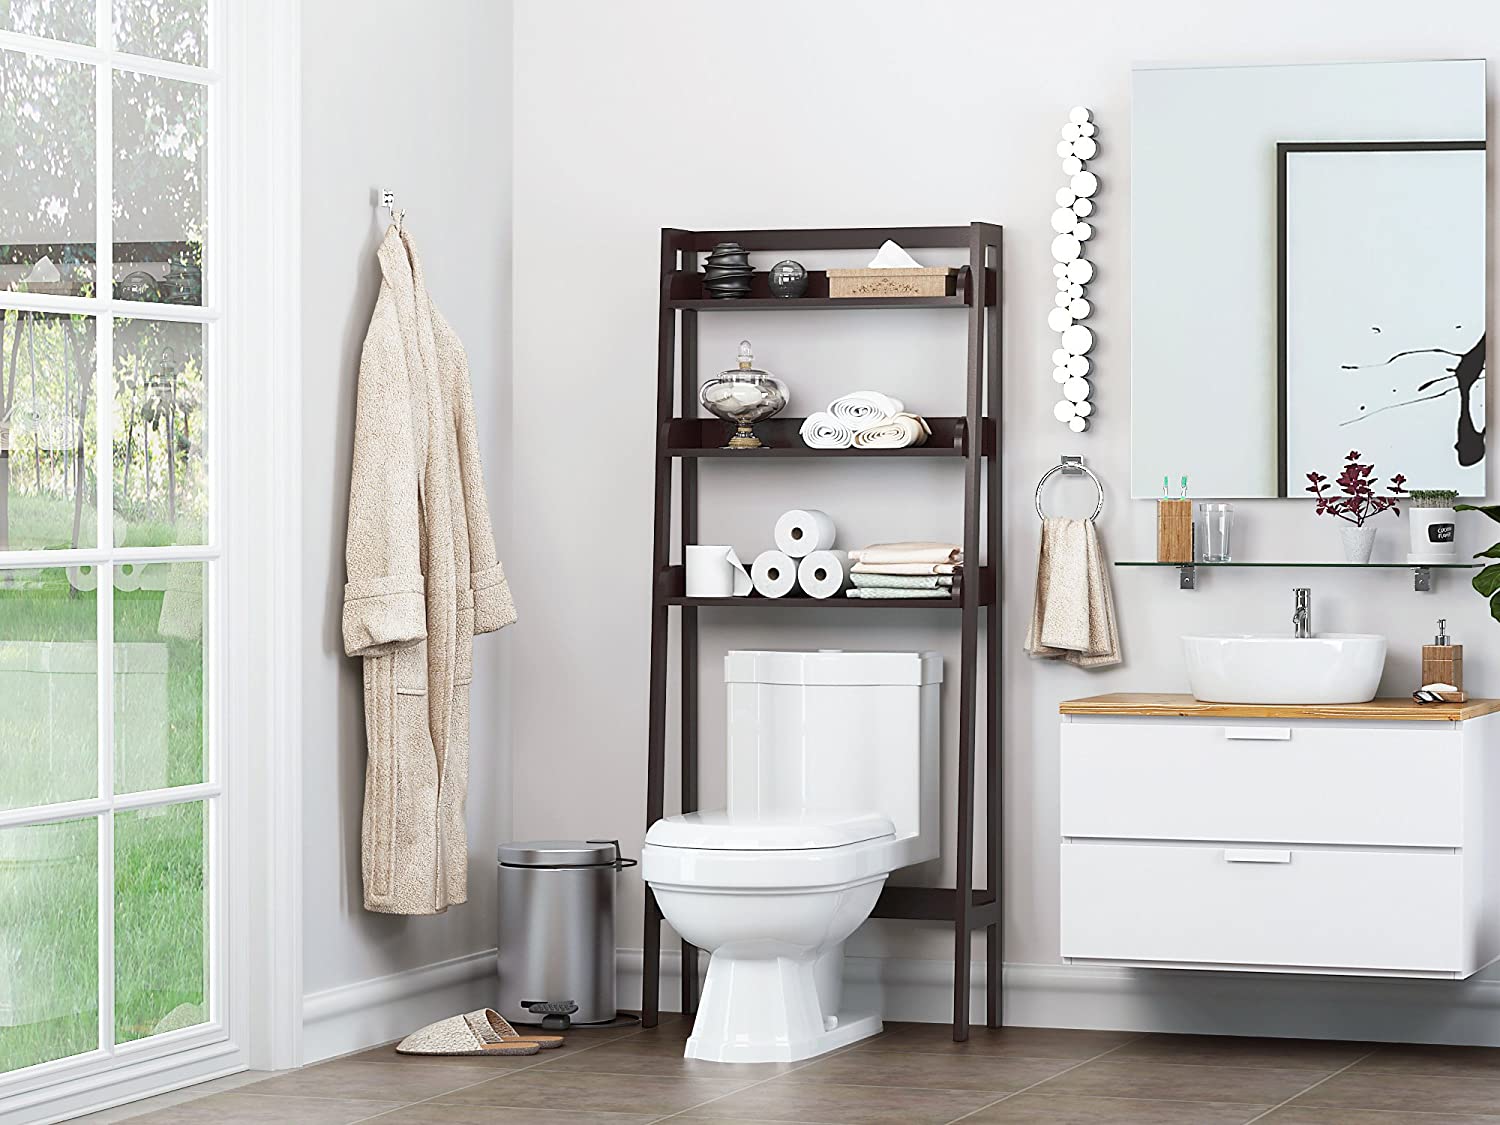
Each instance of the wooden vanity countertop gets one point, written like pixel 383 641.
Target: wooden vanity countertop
pixel 1184 705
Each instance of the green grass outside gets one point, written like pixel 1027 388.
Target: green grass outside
pixel 48 873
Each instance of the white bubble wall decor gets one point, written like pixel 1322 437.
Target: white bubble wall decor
pixel 1075 203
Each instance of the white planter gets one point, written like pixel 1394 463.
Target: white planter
pixel 1358 543
pixel 1433 538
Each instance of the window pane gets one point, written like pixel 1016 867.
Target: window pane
pixel 159 675
pixel 48 682
pixel 161 920
pixel 160 454
pixel 72 20
pixel 49 942
pixel 47 181
pixel 159 168
pixel 48 490
pixel 163 29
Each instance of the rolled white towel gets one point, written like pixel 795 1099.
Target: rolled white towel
pixel 896 433
pixel 823 431
pixel 859 410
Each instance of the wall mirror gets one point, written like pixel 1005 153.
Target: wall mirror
pixel 1307 275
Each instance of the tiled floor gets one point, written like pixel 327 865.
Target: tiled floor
pixel 914 1074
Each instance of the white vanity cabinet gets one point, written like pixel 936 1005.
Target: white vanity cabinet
pixel 1357 839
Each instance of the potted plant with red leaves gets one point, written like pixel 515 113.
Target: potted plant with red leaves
pixel 1355 502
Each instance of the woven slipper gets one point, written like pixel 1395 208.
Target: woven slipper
pixel 471 1034
pixel 508 1034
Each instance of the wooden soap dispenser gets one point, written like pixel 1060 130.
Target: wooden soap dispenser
pixel 1443 663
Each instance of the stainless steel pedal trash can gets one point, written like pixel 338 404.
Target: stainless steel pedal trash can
pixel 557 929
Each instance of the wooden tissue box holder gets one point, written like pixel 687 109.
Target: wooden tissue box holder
pixel 1174 531
pixel 933 281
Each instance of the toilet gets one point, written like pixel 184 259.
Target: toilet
pixel 832 784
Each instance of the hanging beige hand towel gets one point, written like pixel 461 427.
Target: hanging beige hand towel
pixel 1073 617
pixel 422 580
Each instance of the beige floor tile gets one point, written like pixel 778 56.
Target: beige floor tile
pixel 1031 1042
pixel 1410 1092
pixel 1234 1050
pixel 778 1100
pixel 1294 1115
pixel 436 1113
pixel 1449 1062
pixel 370 1081
pixel 1040 1109
pixel 999 1074
pixel 1147 1078
pixel 134 1110
pixel 238 1108
pixel 631 1056
pixel 546 1088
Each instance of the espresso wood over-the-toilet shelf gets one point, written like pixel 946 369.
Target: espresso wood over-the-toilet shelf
pixel 971 438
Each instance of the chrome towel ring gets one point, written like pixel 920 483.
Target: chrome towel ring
pixel 1070 466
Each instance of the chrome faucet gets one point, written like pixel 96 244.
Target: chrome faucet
pixel 1302 613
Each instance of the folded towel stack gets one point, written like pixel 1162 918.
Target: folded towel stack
pixel 864 420
pixel 905 570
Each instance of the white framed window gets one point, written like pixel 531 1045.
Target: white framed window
pixel 125 505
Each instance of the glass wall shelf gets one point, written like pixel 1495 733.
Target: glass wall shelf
pixel 1421 572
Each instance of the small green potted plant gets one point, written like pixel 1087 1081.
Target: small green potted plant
pixel 1355 502
pixel 1487 581
pixel 1432 521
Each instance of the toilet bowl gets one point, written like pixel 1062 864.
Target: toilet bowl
pixel 832 785
pixel 772 899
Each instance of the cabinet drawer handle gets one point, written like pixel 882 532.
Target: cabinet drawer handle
pixel 1262 734
pixel 1256 855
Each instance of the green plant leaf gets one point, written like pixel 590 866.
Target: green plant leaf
pixel 1495 607
pixel 1491 510
pixel 1487 581
pixel 1489 552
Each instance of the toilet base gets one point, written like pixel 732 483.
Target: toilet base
pixel 852 1027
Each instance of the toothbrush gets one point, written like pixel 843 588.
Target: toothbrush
pixel 1183 494
pixel 1166 489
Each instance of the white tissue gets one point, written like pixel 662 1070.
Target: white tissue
pixel 774 574
pixel 714 571
pixel 892 257
pixel 822 430
pixel 824 574
pixel 801 531
pixel 859 410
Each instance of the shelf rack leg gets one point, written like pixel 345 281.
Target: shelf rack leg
pixel 688 630
pixel 994 962
pixel 656 736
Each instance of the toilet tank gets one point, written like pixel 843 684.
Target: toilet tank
pixel 837 732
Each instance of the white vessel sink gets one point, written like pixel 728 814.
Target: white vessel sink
pixel 1326 668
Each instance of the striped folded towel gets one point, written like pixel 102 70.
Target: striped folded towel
pixel 909 553
pixel 878 592
pixel 903 581
pixel 905 568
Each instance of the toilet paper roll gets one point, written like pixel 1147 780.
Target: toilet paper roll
pixel 714 571
pixel 824 574
pixel 800 532
pixel 774 574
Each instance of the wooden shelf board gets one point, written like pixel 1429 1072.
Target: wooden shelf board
pixel 755 601
pixel 685 292
pixel 706 437
pixel 1185 706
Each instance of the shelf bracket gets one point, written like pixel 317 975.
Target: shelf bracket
pixel 1421 579
pixel 1187 577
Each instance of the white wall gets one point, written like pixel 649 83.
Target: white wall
pixel 633 117
pixel 422 106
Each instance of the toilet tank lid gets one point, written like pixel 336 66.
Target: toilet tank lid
pixel 834 667
pixel 719 831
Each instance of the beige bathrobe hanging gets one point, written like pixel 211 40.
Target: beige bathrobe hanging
pixel 423 579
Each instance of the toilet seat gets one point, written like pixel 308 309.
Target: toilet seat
pixel 714 849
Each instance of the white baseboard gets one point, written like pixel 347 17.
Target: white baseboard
pixel 1161 1000
pixel 367 1013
